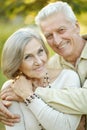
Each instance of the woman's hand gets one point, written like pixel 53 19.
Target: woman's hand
pixel 22 87
pixel 9 95
pixel 18 91
pixel 7 92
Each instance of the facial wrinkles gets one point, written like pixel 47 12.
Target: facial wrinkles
pixel 56 35
pixel 58 39
pixel 37 54
pixel 54 24
pixel 60 43
pixel 35 58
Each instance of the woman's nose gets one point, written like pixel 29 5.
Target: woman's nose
pixel 38 61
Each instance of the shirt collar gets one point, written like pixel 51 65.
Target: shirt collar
pixel 83 54
pixel 84 51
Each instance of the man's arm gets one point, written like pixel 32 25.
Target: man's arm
pixel 16 109
pixel 68 100
pixel 6 117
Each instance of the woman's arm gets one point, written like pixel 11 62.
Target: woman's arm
pixel 68 100
pixel 52 119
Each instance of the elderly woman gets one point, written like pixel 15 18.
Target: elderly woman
pixel 24 61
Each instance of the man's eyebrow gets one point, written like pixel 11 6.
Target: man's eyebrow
pixel 47 34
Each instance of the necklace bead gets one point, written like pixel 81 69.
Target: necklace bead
pixel 46 81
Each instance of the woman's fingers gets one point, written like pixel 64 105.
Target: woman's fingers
pixel 10 95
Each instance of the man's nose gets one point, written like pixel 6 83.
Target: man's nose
pixel 57 39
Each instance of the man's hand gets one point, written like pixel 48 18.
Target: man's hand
pixel 6 117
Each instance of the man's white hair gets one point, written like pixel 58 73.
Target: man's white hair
pixel 56 7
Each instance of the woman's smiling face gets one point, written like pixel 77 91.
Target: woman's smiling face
pixel 34 60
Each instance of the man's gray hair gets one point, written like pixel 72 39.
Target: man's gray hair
pixel 56 7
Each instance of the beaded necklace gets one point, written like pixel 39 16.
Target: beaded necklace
pixel 46 81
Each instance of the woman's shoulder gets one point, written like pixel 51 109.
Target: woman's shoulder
pixel 7 84
pixel 54 73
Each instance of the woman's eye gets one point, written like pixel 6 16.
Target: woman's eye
pixel 27 57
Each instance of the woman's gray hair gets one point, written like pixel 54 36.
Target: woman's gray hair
pixel 56 7
pixel 13 50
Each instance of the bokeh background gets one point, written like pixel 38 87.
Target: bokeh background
pixel 15 14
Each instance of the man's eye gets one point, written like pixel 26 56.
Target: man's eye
pixel 62 30
pixel 41 51
pixel 49 36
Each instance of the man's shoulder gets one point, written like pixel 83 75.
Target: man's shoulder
pixel 84 36
pixel 54 61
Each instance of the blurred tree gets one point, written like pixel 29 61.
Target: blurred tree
pixel 9 9
pixel 78 5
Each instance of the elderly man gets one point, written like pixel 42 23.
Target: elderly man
pixel 62 32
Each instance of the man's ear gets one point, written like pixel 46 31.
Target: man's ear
pixel 77 27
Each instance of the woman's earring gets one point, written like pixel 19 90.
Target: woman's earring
pixel 36 63
pixel 20 73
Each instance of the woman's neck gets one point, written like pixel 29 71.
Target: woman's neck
pixel 48 78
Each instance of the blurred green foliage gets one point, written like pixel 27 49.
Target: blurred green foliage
pixel 2 126
pixel 12 8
